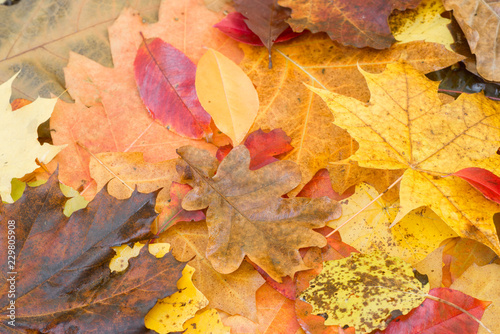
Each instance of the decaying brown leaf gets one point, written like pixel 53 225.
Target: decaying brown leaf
pixel 247 216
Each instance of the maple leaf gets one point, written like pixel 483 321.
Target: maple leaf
pixel 405 125
pixel 351 22
pixel 265 18
pixel 482 283
pixel 165 78
pixel 438 317
pixel 471 16
pixel 247 216
pixel 63 282
pixel 233 293
pixel 416 235
pixel 41 33
pixel 363 290
pixel 287 104
pixel 20 148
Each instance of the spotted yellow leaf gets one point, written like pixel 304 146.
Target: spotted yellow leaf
pixel 362 290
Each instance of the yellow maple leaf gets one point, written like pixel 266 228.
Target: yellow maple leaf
pixel 19 147
pixel 170 313
pixel 406 126
pixel 416 235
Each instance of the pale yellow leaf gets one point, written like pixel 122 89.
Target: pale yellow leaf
pixel 227 94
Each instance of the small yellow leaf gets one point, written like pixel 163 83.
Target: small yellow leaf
pixel 423 23
pixel 208 321
pixel 227 94
pixel 362 290
pixel 124 253
pixel 76 201
pixel 416 235
pixel 159 249
pixel 170 313
pixel 19 146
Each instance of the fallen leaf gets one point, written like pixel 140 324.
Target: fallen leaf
pixel 208 321
pixel 165 78
pixel 287 104
pixel 482 283
pixel 20 148
pixel 483 180
pixel 170 313
pixel 357 23
pixel 437 317
pixel 124 172
pixel 172 213
pixel 263 147
pixel 416 235
pixel 405 126
pixel 247 216
pixel 459 254
pixel 276 313
pixel 233 293
pixel 62 263
pixel 362 291
pixel 124 253
pixel 266 18
pixel 423 23
pixel 234 26
pixel 75 201
pixel 475 17
pixel 216 5
pixel 227 94
pixel 321 185
pixel 42 33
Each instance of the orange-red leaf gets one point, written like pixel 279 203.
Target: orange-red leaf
pixel 483 180
pixel 263 147
pixel 165 78
pixel 436 317
pixel 321 185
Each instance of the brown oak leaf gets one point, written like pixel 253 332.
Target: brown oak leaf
pixel 246 214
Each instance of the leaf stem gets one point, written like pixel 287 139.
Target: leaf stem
pixel 366 206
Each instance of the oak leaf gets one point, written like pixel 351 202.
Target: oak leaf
pixel 20 148
pixel 285 102
pixel 165 78
pixel 406 126
pixel 482 283
pixel 351 22
pixel 437 317
pixel 63 282
pixel 41 34
pixel 233 293
pixel 363 289
pixel 475 18
pixel 247 216
pixel 227 94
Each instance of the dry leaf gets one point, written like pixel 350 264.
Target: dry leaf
pixel 405 125
pixel 37 36
pixel 247 216
pixel 233 293
pixel 286 103
pixel 20 148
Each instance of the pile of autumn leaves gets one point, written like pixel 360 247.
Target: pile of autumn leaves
pixel 223 204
